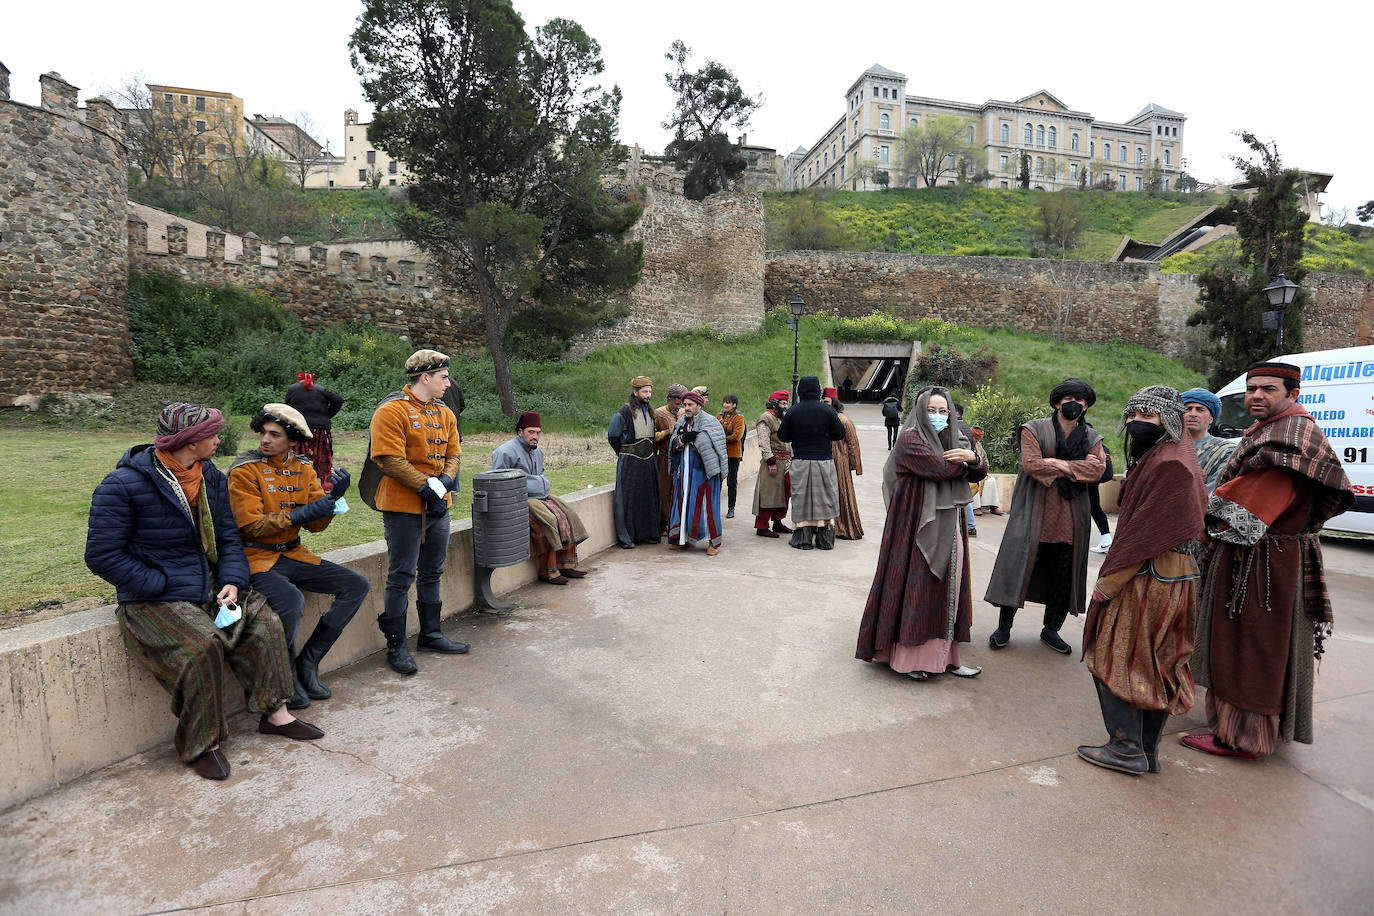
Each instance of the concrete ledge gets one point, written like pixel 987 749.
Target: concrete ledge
pixel 77 700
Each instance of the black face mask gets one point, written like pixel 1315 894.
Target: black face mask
pixel 1071 410
pixel 1143 435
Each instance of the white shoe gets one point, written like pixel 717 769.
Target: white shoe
pixel 963 671
pixel 1106 543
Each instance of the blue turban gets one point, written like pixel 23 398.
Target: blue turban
pixel 1205 398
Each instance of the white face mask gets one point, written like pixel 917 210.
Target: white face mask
pixel 939 421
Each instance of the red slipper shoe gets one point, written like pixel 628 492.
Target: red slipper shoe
pixel 1207 743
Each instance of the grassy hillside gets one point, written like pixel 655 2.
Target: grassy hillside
pixel 1324 249
pixel 986 221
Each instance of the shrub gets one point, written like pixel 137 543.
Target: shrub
pixel 1000 413
pixel 947 367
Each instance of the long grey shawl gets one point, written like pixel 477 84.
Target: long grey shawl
pixel 944 499
pixel 709 443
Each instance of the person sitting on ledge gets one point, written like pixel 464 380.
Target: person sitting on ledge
pixel 555 529
pixel 161 532
pixel 274 492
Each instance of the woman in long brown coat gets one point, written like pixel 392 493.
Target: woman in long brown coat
pixel 919 608
pixel 848 526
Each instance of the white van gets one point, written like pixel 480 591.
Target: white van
pixel 1338 391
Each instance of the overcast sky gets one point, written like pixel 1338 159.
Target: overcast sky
pixel 1227 66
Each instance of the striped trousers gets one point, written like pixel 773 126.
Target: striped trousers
pixel 179 643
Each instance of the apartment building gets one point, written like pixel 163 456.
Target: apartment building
pixel 364 165
pixel 1065 148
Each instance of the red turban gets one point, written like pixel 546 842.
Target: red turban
pixel 831 393
pixel 780 396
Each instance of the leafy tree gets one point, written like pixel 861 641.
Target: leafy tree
pixel 1365 211
pixel 307 156
pixel 709 100
pixel 1023 179
pixel 1186 183
pixel 932 148
pixel 1154 177
pixel 1270 226
pixel 506 143
pixel 1061 220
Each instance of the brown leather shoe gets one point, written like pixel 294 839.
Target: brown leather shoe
pixel 296 729
pixel 574 573
pixel 212 764
pixel 765 533
pixel 556 580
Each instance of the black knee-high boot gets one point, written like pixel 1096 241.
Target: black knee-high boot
pixel 308 662
pixel 1153 727
pixel 1124 751
pixel 432 638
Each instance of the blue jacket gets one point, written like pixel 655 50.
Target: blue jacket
pixel 143 542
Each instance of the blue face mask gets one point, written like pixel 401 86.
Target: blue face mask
pixel 939 421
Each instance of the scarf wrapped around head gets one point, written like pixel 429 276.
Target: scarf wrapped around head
pixel 1205 398
pixel 944 499
pixel 676 391
pixel 181 424
pixel 1161 400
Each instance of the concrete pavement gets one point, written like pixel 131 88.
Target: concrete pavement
pixel 678 733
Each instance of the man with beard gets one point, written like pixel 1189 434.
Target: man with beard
pixel 1265 611
pixel 813 427
pixel 632 435
pixel 1200 410
pixel 1139 634
pixel 1044 552
pixel 555 529
pixel 773 486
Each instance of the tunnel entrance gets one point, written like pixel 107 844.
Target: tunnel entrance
pixel 869 371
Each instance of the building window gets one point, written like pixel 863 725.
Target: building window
pixel 371 156
pixel 970 133
pixel 200 127
pixel 1073 140
pixel 1040 135
pixel 1138 185
pixel 391 167
pixel 200 103
pixel 1175 131
pixel 949 161
pixel 1053 137
pixel 1028 135
pixel 1139 154
pixel 1001 184
pixel 1123 152
pixel 1166 184
pixel 883 153
pixel 875 92
pixel 1039 166
pixel 1167 155
pixel 221 150
pixel 1073 170
pixel 1121 182
pixel 392 182
pixel 884 122
pixel 362 174
pixel 1006 132
pixel 200 148
pixel 350 138
pixel 1092 148
pixel 1002 162
pixel 183 100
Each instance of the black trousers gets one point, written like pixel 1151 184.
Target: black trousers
pixel 282 585
pixel 1095 506
pixel 1051 577
pixel 732 480
pixel 892 430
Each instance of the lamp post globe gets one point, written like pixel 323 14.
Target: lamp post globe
pixel 1281 294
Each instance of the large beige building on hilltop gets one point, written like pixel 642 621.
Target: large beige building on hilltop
pixel 364 165
pixel 1063 145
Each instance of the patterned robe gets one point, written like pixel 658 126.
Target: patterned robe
pixel 847 458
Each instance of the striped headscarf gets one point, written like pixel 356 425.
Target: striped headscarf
pixel 181 424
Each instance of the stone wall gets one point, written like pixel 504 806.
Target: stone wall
pixel 703 267
pixel 1108 300
pixel 385 291
pixel 63 263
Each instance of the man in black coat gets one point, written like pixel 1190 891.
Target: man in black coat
pixel 811 426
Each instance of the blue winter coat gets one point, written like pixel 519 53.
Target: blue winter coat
pixel 141 540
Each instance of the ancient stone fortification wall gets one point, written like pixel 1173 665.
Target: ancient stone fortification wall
pixel 1340 313
pixel 382 290
pixel 63 264
pixel 703 267
pixel 1108 300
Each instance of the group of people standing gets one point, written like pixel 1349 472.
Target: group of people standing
pixel 1214 576
pixel 672 460
pixel 209 567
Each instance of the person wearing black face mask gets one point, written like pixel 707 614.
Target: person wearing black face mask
pixel 1138 639
pixel 1044 552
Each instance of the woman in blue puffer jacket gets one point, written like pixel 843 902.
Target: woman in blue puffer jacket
pixel 161 531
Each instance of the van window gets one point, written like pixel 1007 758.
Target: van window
pixel 1234 419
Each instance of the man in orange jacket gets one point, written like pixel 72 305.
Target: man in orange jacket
pixel 732 421
pixel 415 445
pixel 274 492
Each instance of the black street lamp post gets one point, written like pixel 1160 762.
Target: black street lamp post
pixel 1281 294
pixel 798 309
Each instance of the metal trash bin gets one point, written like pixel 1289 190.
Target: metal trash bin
pixel 500 529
